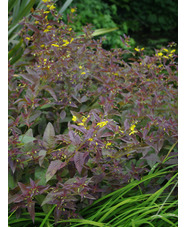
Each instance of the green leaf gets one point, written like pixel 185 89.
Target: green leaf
pixel 47 216
pixel 15 49
pixel 26 139
pixel 40 175
pixel 65 6
pixel 11 182
pixel 103 31
pixel 11 4
pixel 17 57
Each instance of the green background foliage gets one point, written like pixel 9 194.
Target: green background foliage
pixel 149 23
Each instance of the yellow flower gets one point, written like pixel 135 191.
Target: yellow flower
pixel 160 54
pixel 46 30
pixel 165 57
pixel 74 118
pixel 142 48
pixel 108 144
pixel 84 119
pixel 36 22
pixel 136 49
pixel 46 0
pixel 73 10
pixel 166 50
pixel 80 67
pixel 90 139
pixel 132 127
pixel 55 45
pixel 83 73
pixel 28 38
pixel 46 11
pixel 81 124
pixel 102 124
pixel 49 27
pixel 70 29
pixel 172 51
pixel 42 45
pixel 66 42
pixel 51 7
pixel 116 74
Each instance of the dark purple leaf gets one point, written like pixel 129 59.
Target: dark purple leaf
pixel 23 188
pixel 53 168
pixel 79 161
pixel 48 136
pixel 62 114
pixel 51 91
pixel 88 196
pixel 12 164
pixel 31 210
pixel 76 140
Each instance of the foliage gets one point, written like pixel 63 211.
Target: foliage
pixel 135 204
pixel 100 15
pixel 82 121
pixel 149 23
pixel 17 10
pixel 129 206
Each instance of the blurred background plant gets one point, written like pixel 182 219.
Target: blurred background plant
pixel 150 24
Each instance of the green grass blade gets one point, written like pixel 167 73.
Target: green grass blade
pixel 116 195
pixel 25 11
pixel 102 31
pixel 84 222
pixel 65 6
pixel 155 196
pixel 16 10
pixel 167 198
pixel 17 56
pixel 15 49
pixel 11 4
pixel 164 218
pixel 47 216
pixel 165 159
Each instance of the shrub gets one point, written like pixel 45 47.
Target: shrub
pixel 82 121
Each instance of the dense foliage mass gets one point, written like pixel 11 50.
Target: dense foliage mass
pixel 150 23
pixel 82 121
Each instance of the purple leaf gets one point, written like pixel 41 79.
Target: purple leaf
pixel 84 98
pixel 79 159
pixel 12 164
pixel 62 114
pixel 23 188
pixel 53 168
pixel 31 210
pixel 126 124
pixel 48 136
pixel 88 196
pixel 76 140
pixel 51 91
